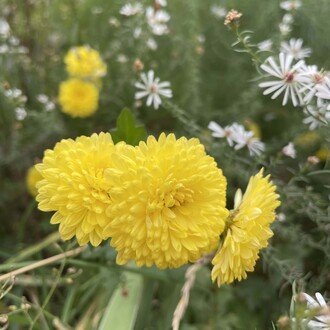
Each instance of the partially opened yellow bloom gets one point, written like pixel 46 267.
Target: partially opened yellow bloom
pixel 74 186
pixel 247 231
pixel 168 202
pixel 32 178
pixel 78 98
pixel 85 62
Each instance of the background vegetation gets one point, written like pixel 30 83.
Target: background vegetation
pixel 210 82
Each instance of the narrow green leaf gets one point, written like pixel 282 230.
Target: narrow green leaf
pixel 123 306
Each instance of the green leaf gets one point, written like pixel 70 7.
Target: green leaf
pixel 127 129
pixel 123 306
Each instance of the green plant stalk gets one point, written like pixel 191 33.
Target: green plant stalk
pixel 50 294
pixel 52 238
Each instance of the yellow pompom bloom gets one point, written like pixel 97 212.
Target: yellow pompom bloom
pixel 168 202
pixel 32 178
pixel 74 186
pixel 78 98
pixel 85 62
pixel 247 231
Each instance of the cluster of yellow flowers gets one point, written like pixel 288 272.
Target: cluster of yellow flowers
pixel 160 203
pixel 79 95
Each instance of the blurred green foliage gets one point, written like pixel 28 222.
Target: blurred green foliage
pixel 210 82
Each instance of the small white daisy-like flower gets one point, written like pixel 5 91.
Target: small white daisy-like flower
pixel 285 29
pixel 265 46
pixel 152 44
pixel 151 88
pixel 281 217
pixel 42 98
pixel 238 137
pixel 218 11
pixel 295 49
pixel 315 78
pixel 4 28
pixel 323 91
pixel 287 79
pixel 20 113
pixel 162 3
pixel 246 138
pixel 290 5
pixel 122 58
pixel 317 116
pixel 322 320
pixel 131 9
pixel 287 19
pixel 157 20
pixel 219 132
pixel 289 150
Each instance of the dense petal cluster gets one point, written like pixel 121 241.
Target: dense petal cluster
pixel 168 202
pixel 85 62
pixel 78 98
pixel 32 178
pixel 247 231
pixel 74 186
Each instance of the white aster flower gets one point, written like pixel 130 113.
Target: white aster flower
pixel 323 91
pixel 295 49
pixel 287 79
pixel 317 115
pixel 238 137
pixel 137 32
pixel 20 113
pixel 290 5
pixel 285 29
pixel 152 44
pixel 122 58
pixel 162 3
pixel 4 28
pixel 157 20
pixel 131 9
pixel 218 11
pixel 219 132
pixel 287 19
pixel 246 138
pixel 315 78
pixel 289 150
pixel 153 89
pixel 265 46
pixel 42 98
pixel 321 321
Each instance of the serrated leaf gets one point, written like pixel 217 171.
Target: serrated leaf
pixel 127 129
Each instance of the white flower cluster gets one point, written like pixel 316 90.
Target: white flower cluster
pixel 46 102
pixel 9 44
pixel 305 85
pixel 151 88
pixel 238 137
pixel 322 318
pixel 16 96
pixel 156 17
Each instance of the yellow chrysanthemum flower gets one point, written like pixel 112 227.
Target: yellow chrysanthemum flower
pixel 74 186
pixel 85 62
pixel 32 178
pixel 168 202
pixel 248 231
pixel 78 98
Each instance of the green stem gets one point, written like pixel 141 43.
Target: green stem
pixel 190 125
pixel 52 238
pixel 247 47
pixel 50 294
pixel 25 217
